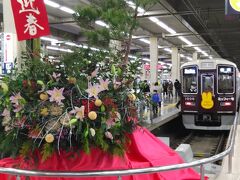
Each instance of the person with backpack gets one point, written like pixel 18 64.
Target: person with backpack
pixel 156 101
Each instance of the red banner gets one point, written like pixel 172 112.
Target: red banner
pixel 31 19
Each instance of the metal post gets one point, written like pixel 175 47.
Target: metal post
pixel 230 162
pixel 18 177
pixel 119 178
pixel 202 172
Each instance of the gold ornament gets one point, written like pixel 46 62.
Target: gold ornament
pixel 49 138
pixel 43 96
pixel 98 102
pixel 44 112
pixel 92 115
pixel 72 80
pixel 132 97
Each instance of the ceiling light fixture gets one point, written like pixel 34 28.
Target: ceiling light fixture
pixel 145 41
pixel 67 10
pixel 101 23
pixel 59 49
pixel 167 49
pixel 52 4
pixel 162 25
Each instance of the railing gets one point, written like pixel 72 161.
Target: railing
pixel 120 173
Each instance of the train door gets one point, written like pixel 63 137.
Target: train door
pixel 207 91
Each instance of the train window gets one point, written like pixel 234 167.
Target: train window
pixel 208 83
pixel 225 79
pixel 189 82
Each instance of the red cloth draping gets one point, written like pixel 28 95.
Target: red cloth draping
pixel 145 150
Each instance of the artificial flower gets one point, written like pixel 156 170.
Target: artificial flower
pixel 56 95
pixel 89 106
pixel 52 125
pixel 15 99
pixel 104 84
pixel 6 121
pixel 94 73
pixel 44 112
pixel 18 108
pixel 79 112
pixel 55 110
pixel 6 113
pixel 64 120
pixel 109 135
pixel 56 76
pixel 93 90
pixel 92 132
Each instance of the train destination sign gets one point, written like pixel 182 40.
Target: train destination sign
pixel 190 71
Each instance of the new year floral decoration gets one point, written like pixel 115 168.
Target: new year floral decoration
pixel 47 108
pixel 83 101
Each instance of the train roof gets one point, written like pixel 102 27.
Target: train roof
pixel 209 63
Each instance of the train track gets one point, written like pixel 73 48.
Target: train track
pixel 204 143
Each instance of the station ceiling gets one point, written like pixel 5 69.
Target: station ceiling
pixel 195 25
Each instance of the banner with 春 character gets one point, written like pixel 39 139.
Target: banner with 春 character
pixel 30 18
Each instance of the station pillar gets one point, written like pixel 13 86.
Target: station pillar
pixel 175 72
pixel 154 60
pixel 195 56
pixel 14 48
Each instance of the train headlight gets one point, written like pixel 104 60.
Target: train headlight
pixel 190 103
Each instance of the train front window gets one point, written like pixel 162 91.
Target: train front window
pixel 208 83
pixel 225 79
pixel 189 81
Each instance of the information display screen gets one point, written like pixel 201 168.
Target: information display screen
pixel 191 70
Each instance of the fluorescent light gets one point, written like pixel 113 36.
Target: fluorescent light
pixel 167 49
pixel 67 10
pixel 189 58
pixel 71 44
pixel 101 23
pixel 131 56
pixel 162 25
pixel 145 41
pixel 210 57
pixel 59 49
pixel 52 4
pixel 146 59
pixel 49 39
pixel 132 5
pixel 182 56
pixel 185 40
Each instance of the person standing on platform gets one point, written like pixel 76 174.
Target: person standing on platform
pixel 170 89
pixel 158 89
pixel 177 86
pixel 155 101
pixel 179 92
pixel 165 88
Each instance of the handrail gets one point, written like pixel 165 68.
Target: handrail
pixel 149 170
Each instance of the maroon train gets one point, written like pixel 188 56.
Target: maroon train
pixel 210 94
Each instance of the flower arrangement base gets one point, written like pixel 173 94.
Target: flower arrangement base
pixel 145 150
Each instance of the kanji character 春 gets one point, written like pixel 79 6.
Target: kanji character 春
pixel 32 25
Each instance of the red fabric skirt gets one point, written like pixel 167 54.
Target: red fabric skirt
pixel 145 150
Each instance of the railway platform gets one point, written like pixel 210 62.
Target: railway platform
pixel 167 113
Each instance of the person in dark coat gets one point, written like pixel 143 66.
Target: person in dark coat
pixel 177 86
